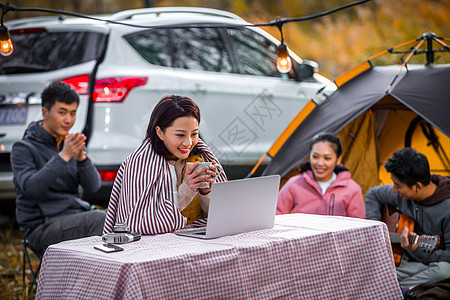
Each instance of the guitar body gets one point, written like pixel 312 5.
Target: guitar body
pixel 395 223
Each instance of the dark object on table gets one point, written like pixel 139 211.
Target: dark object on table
pixel 121 235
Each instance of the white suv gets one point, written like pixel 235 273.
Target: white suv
pixel 227 67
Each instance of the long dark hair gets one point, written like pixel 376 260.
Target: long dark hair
pixel 164 114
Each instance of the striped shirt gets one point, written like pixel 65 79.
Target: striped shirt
pixel 142 195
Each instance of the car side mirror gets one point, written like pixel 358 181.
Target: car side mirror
pixel 307 69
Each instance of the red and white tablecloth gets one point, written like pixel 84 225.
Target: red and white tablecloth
pixel 302 257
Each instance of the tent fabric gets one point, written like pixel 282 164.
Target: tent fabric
pixel 394 133
pixel 424 90
pixel 360 150
pixel 420 88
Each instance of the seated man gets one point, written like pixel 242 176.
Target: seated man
pixel 49 165
pixel 425 198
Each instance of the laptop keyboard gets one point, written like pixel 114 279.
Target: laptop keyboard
pixel 200 232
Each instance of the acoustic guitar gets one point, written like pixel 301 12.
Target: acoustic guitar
pixel 395 222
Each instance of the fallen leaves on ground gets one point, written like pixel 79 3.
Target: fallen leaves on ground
pixel 11 262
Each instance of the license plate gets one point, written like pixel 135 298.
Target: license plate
pixel 11 115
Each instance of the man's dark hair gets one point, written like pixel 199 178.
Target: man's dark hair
pixel 334 140
pixel 58 91
pixel 409 166
pixel 164 114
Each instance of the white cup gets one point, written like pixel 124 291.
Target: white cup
pixel 207 164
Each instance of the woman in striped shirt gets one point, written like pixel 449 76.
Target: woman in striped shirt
pixel 155 190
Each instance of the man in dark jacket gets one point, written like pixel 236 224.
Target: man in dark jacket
pixel 49 164
pixel 425 198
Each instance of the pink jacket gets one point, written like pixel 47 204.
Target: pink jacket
pixel 301 194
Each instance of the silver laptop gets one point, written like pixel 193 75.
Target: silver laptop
pixel 239 206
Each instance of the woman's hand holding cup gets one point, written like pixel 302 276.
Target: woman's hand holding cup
pixel 200 172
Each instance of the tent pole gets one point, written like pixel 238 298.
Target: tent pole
pixel 404 63
pixel 442 43
pixel 252 172
pixel 391 49
pixel 430 52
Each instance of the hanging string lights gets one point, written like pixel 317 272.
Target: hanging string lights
pixel 6 47
pixel 284 63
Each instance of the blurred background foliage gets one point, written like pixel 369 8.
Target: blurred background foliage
pixel 337 42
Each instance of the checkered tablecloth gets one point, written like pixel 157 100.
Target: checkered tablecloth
pixel 302 257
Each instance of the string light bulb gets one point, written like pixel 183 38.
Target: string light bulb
pixel 6 46
pixel 284 63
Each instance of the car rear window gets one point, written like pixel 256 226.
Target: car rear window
pixel 185 48
pixel 153 46
pixel 257 55
pixel 201 49
pixel 42 51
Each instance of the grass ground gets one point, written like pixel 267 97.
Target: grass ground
pixel 11 257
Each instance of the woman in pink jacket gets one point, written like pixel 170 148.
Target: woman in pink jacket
pixel 323 186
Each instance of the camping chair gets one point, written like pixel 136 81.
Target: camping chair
pixel 27 262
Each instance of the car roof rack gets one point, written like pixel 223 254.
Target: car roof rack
pixel 128 14
pixel 27 21
pixel 38 21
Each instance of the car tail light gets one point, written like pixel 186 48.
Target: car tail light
pixel 116 89
pixel 78 83
pixel 27 30
pixel 108 175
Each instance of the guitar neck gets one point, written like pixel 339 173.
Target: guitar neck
pixel 423 241
pixel 397 237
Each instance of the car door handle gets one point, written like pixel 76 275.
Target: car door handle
pixel 199 89
pixel 266 93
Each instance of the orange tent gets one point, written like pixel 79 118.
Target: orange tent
pixel 376 110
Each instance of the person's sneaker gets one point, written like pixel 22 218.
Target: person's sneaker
pixel 408 294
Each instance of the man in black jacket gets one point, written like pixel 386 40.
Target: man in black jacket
pixel 49 164
pixel 425 198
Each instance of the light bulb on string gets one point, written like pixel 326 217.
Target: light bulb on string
pixel 284 63
pixel 6 46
